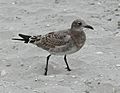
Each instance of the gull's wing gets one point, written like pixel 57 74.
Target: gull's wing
pixel 53 39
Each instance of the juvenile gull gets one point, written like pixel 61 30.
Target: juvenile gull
pixel 63 42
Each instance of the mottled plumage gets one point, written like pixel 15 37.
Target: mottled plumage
pixel 60 43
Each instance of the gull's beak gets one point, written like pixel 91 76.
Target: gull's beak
pixel 88 26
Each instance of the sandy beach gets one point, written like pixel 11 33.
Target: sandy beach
pixel 95 68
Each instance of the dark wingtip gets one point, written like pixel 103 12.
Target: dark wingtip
pixel 24 38
pixel 17 39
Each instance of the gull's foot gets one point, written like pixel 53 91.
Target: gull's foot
pixel 68 69
pixel 45 73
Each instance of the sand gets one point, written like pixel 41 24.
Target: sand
pixel 95 68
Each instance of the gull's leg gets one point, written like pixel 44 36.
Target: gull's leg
pixel 65 59
pixel 46 68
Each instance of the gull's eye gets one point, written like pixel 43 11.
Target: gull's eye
pixel 79 23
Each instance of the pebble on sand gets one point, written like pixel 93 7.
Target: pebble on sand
pixel 3 73
pixel 99 52
pixel 117 65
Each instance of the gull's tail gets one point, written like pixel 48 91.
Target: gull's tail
pixel 25 38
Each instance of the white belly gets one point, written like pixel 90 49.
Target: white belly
pixel 63 51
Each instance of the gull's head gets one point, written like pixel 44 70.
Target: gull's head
pixel 79 24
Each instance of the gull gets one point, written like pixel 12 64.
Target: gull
pixel 61 42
